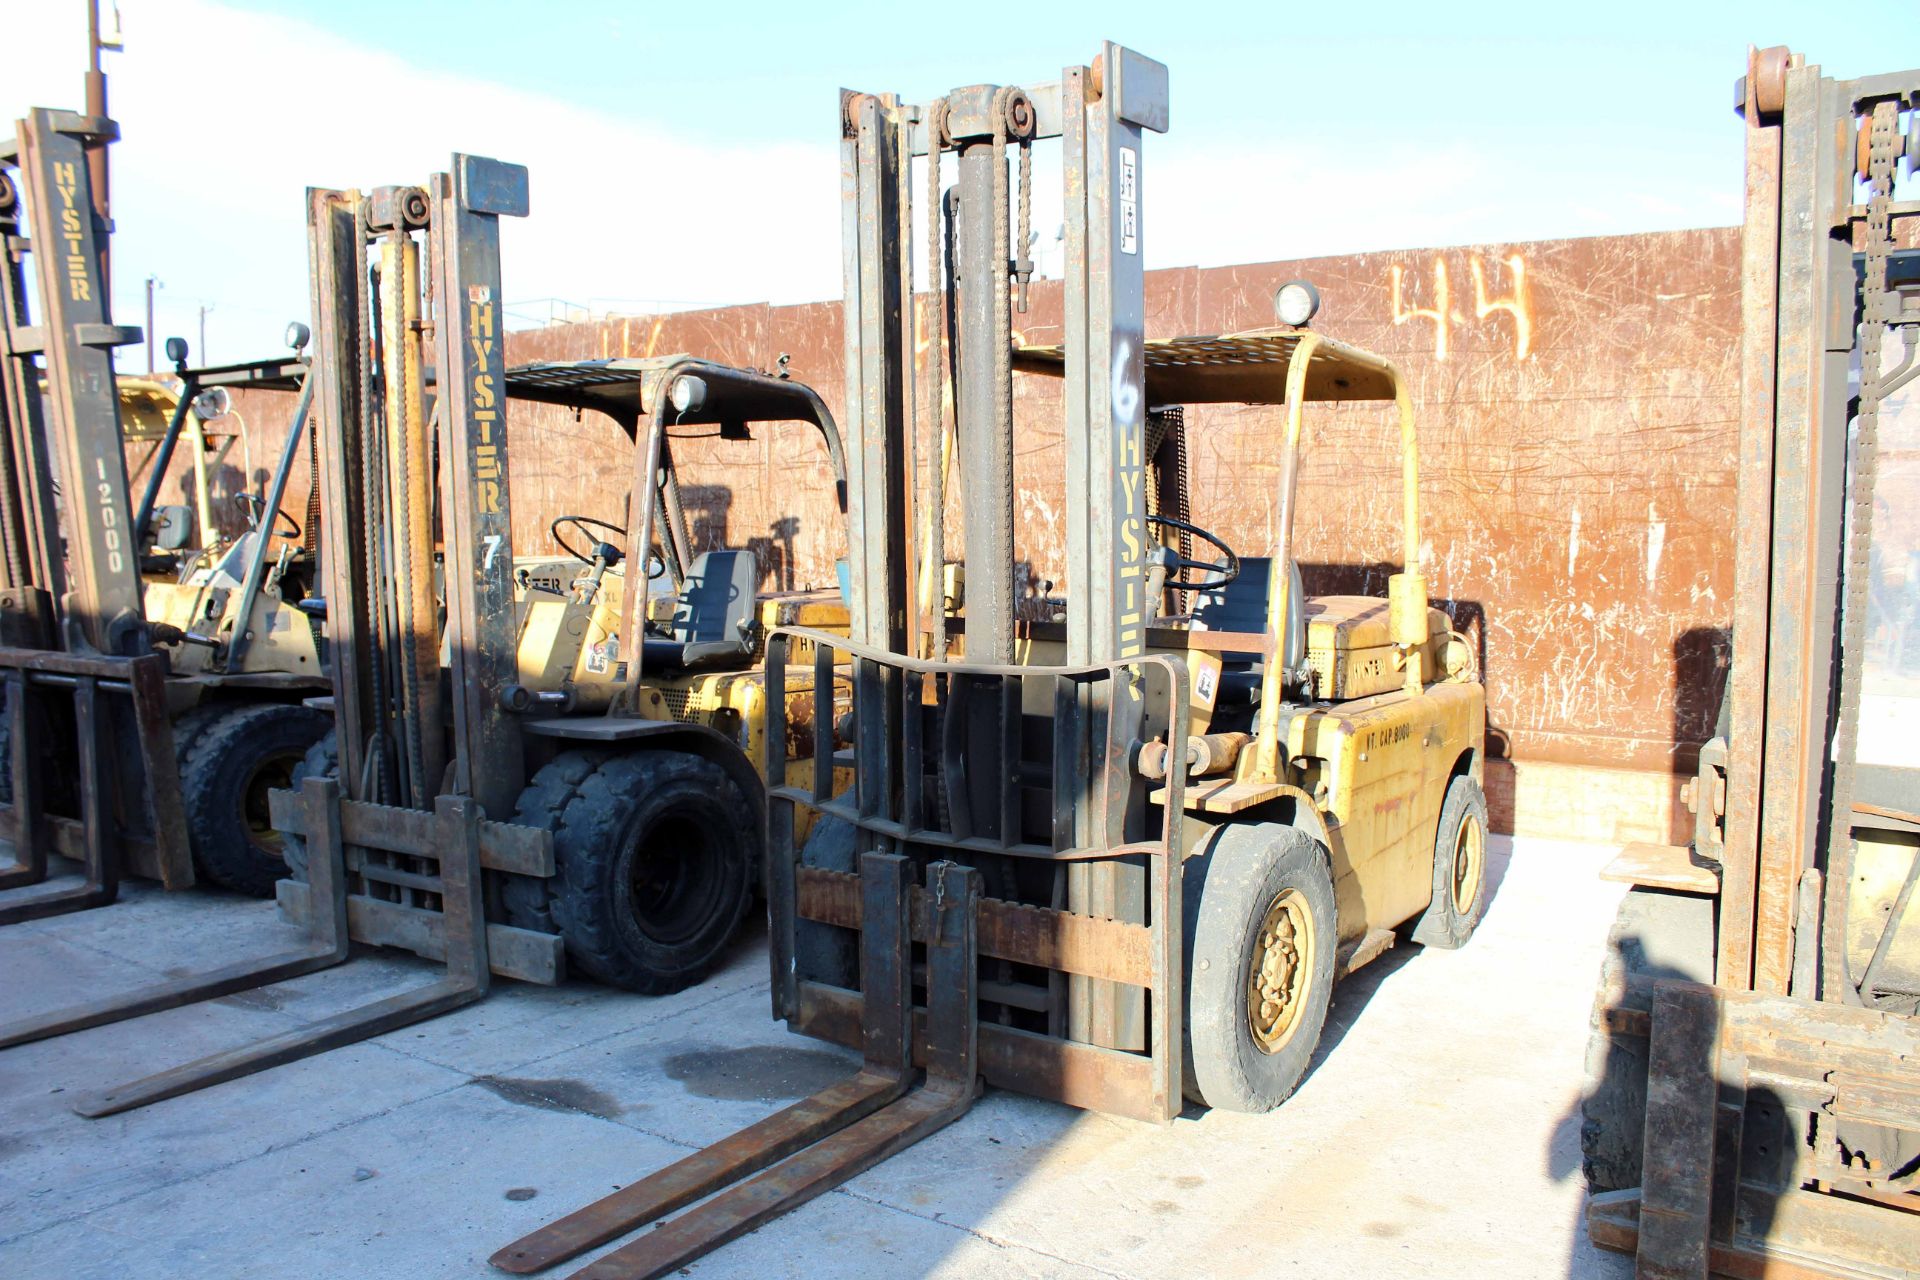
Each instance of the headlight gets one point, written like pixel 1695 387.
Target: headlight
pixel 689 394
pixel 214 402
pixel 1296 303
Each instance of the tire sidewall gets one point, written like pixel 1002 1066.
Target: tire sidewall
pixel 598 846
pixel 1443 924
pixel 1226 892
pixel 227 753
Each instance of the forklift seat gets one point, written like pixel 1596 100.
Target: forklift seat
pixel 1241 605
pixel 713 619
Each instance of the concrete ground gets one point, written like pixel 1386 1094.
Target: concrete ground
pixel 1438 1135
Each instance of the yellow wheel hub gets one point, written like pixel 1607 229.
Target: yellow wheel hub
pixel 1280 977
pixel 1469 864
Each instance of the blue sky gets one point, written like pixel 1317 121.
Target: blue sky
pixel 683 154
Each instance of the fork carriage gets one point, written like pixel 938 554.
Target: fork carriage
pixel 1065 802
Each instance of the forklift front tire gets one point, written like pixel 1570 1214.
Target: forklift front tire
pixel 1260 939
pixel 229 761
pixel 823 952
pixel 655 855
pixel 321 761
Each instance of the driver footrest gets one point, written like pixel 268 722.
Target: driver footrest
pixel 816 1144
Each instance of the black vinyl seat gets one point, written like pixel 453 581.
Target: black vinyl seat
pixel 713 619
pixel 1241 605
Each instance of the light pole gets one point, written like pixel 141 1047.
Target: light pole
pixel 153 282
pixel 204 308
pixel 96 96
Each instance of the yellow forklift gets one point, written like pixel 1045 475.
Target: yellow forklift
pixel 145 713
pixel 639 757
pixel 468 682
pixel 226 610
pixel 1119 858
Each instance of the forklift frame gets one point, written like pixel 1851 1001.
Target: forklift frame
pixel 1773 1091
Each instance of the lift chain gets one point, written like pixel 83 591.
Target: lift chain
pixel 1883 150
pixel 1003 100
pixel 936 570
pixel 1023 243
pixel 396 355
pixel 373 782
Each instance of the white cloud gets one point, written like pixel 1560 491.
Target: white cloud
pixel 227 117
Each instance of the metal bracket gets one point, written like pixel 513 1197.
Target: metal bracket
pixel 818 1143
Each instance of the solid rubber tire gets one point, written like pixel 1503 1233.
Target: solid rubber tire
pixel 824 952
pixel 220 749
pixel 1442 924
pixel 596 815
pixel 1225 892
pixel 321 761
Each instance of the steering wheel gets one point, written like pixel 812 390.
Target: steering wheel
pixel 581 523
pixel 1226 569
pixel 255 504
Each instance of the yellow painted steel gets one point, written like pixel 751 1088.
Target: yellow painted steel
pixel 1391 709
pixel 569 643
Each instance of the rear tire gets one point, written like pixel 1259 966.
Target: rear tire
pixel 230 757
pixel 1459 869
pixel 321 761
pixel 1261 931
pixel 655 856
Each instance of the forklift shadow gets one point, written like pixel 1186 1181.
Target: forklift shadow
pixel 1601 1137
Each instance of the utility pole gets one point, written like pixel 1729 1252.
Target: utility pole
pixel 153 282
pixel 202 354
pixel 97 149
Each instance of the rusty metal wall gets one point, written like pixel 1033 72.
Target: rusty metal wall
pixel 1576 403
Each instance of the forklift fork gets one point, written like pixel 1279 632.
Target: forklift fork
pixel 816 1144
pixel 326 946
pixel 457 828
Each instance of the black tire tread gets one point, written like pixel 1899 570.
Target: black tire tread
pixel 321 761
pixel 528 900
pixel 204 739
pixel 1238 865
pixel 584 810
pixel 824 952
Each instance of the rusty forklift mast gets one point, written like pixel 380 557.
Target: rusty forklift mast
pixel 440 724
pixel 83 678
pixel 1753 1102
pixel 1111 692
pixel 202 676
pixel 387 833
